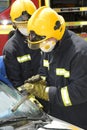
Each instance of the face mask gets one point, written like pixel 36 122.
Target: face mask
pixel 23 31
pixel 48 45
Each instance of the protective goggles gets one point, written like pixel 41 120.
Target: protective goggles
pixel 21 24
pixel 23 18
pixel 36 41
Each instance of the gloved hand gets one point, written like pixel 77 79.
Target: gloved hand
pixel 36 86
pixel 34 79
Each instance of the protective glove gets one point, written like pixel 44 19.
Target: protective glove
pixel 36 86
pixel 34 79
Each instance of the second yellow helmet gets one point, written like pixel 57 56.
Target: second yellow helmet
pixel 20 6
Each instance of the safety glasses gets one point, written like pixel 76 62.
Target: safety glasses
pixel 34 40
pixel 23 18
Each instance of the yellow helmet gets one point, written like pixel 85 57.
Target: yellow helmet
pixel 45 23
pixel 20 6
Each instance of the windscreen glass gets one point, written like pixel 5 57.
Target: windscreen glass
pixel 9 97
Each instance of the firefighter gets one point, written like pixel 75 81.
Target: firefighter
pixel 62 80
pixel 21 62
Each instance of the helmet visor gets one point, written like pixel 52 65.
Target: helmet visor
pixel 34 40
pixel 34 46
pixel 23 18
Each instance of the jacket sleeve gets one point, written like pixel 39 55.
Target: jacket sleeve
pixel 12 67
pixel 75 92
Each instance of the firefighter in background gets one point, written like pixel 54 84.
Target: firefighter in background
pixel 63 73
pixel 12 32
pixel 21 62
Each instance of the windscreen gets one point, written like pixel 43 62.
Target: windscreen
pixel 9 97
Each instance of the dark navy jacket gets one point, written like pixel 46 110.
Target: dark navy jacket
pixel 65 69
pixel 21 62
